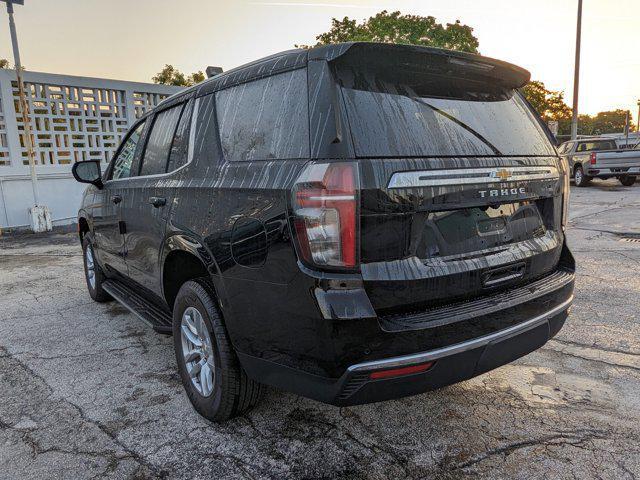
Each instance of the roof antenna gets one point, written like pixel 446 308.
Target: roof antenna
pixel 213 71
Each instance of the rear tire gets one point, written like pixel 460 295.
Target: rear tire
pixel 218 389
pixel 93 273
pixel 579 177
pixel 627 180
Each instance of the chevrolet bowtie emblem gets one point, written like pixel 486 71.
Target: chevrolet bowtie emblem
pixel 503 174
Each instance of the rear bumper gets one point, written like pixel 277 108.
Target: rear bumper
pixel 452 364
pixel 608 171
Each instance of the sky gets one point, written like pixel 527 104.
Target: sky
pixel 134 39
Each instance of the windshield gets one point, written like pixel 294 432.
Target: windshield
pixel 443 118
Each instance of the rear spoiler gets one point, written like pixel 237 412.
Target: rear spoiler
pixel 426 60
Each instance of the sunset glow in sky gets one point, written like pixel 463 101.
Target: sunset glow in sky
pixel 133 39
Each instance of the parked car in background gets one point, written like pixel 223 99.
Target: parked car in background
pixel 600 158
pixel 354 223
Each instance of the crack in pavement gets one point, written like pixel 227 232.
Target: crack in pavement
pixel 615 359
pixel 572 439
pixel 594 347
pixel 43 404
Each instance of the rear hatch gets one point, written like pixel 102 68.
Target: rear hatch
pixel 460 187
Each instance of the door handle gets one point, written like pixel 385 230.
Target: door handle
pixel 116 199
pixel 158 201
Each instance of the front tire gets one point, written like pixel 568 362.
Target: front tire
pixel 215 383
pixel 627 180
pixel 93 273
pixel 579 177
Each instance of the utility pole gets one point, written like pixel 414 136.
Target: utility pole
pixel 576 75
pixel 627 127
pixel 40 216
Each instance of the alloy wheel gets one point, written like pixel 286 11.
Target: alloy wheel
pixel 197 351
pixel 91 268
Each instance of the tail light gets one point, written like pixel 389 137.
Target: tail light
pixel 325 200
pixel 592 158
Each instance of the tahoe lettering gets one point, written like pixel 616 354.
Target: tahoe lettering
pixel 501 192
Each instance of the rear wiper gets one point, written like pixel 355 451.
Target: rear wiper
pixel 458 122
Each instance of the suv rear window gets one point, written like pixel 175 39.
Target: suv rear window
pixel 403 114
pixel 596 146
pixel 265 119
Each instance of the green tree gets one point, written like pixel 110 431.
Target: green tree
pixel 549 104
pixel 394 27
pixel 4 63
pixel 612 121
pixel 170 75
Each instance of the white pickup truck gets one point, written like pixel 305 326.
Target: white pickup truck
pixel 601 158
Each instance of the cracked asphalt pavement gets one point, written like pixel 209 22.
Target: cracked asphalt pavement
pixel 86 390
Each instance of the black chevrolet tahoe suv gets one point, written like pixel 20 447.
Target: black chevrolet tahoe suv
pixel 354 223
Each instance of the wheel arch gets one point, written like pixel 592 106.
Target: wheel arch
pixel 185 258
pixel 83 226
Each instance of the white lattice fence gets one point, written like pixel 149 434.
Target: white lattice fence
pixel 72 119
pixel 73 123
pixel 4 144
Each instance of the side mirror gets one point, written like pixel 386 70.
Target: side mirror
pixel 88 172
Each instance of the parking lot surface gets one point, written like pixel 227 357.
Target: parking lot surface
pixel 87 390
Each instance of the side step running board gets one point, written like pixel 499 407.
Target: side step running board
pixel 158 319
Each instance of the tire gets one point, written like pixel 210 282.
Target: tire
pixel 627 180
pixel 94 283
pixel 579 177
pixel 219 389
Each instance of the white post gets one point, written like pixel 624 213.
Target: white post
pixel 39 214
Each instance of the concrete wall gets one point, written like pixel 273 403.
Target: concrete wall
pixel 60 192
pixel 72 119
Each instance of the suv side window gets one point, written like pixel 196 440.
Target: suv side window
pixel 265 119
pixel 122 163
pixel 180 146
pixel 156 154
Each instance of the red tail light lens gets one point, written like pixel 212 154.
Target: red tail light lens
pixel 592 158
pixel 325 200
pixel 399 372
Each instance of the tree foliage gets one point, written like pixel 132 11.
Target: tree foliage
pixel 4 63
pixel 394 27
pixel 549 104
pixel 170 75
pixel 612 121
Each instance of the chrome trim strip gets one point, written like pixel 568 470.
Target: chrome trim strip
pixel 429 356
pixel 466 176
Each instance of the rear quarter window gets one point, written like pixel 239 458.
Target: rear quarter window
pixel 156 153
pixel 265 119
